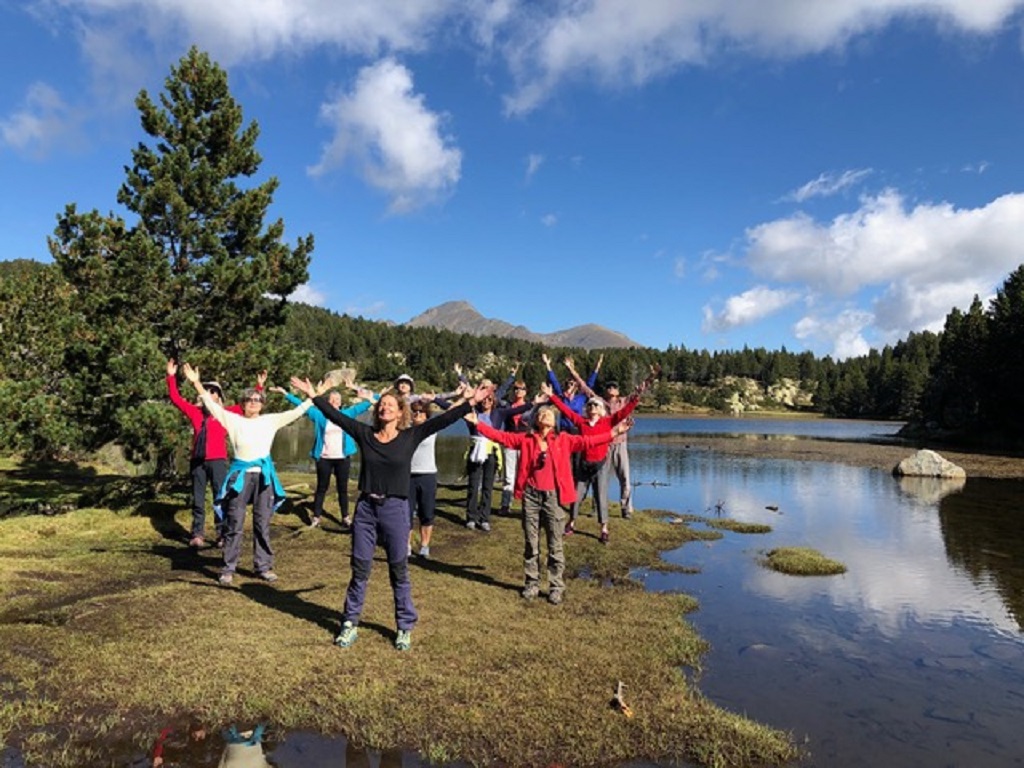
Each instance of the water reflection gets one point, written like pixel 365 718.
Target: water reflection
pixel 914 657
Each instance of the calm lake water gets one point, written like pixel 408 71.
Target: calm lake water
pixel 914 657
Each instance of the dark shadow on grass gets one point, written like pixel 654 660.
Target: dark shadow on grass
pixel 288 601
pixel 161 515
pixel 468 572
pixel 206 562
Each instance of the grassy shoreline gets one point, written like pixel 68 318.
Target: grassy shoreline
pixel 111 628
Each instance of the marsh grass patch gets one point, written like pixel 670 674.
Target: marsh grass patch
pixel 802 561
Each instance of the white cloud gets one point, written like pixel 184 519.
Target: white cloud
pixel 610 42
pixel 533 164
pixel 747 307
pixel 921 261
pixel 828 184
pixel 623 42
pixel 549 220
pixel 43 122
pixel 307 294
pixel 978 168
pixel 844 332
pixel 393 138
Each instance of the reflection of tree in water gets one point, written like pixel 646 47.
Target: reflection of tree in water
pixel 983 530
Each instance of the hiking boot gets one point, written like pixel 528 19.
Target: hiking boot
pixel 347 636
pixel 603 538
pixel 425 552
pixel 627 514
pixel 555 597
pixel 471 524
pixel 269 576
pixel 485 527
pixel 570 529
pixel 346 522
pixel 403 640
pixel 196 542
pixel 530 592
pixel 220 542
pixel 314 523
pixel 226 578
pixel 505 512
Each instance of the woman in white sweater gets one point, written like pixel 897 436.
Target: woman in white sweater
pixel 251 477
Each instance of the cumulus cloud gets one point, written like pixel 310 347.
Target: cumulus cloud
pixel 307 294
pixel 628 43
pixel 747 307
pixel 609 42
pixel 922 260
pixel 549 220
pixel 43 122
pixel 844 332
pixel 828 184
pixel 908 264
pixel 395 141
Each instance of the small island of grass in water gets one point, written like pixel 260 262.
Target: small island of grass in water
pixel 802 561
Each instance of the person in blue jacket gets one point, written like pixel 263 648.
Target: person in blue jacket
pixel 570 394
pixel 333 449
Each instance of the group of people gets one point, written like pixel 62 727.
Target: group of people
pixel 549 470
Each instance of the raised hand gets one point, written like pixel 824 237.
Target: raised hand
pixel 192 374
pixel 546 359
pixel 172 367
pixel 471 418
pixel 623 426
pixel 279 390
pixel 600 360
pixel 546 390
pixel 484 389
pixel 304 386
pixel 261 378
pixel 569 363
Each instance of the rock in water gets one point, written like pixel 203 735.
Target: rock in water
pixel 927 463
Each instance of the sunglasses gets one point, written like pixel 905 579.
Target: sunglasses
pixel 519 389
pixel 253 400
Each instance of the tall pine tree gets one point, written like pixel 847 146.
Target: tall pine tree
pixel 198 276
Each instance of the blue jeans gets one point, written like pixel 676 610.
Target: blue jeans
pixel 387 522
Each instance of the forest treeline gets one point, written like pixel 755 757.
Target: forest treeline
pixel 198 274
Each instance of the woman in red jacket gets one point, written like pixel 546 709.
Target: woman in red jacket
pixel 591 469
pixel 545 484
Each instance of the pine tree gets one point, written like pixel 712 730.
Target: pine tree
pixel 198 276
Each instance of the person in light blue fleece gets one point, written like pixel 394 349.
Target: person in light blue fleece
pixel 332 453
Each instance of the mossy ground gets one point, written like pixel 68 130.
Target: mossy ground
pixel 111 628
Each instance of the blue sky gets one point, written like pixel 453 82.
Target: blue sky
pixel 710 173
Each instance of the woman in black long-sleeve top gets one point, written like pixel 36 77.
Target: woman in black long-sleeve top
pixel 382 511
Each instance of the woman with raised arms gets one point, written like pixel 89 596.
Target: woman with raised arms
pixel 382 511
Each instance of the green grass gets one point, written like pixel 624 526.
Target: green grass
pixel 802 561
pixel 110 628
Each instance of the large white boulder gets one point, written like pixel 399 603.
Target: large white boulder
pixel 927 463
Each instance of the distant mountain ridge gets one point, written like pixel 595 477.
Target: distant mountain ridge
pixel 462 317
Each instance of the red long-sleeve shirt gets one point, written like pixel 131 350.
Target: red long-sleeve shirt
pixel 601 426
pixel 216 435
